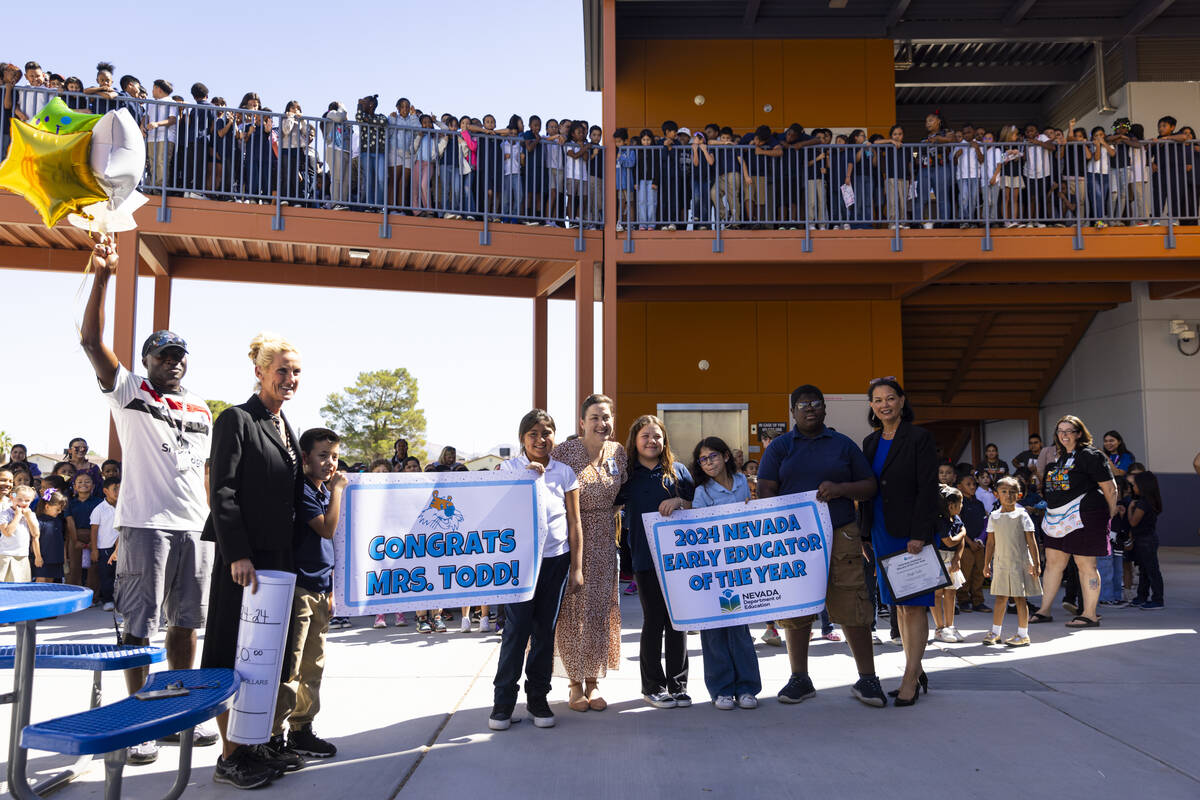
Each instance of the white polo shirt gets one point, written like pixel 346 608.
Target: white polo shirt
pixel 160 112
pixel 1037 159
pixel 160 434
pixel 967 164
pixel 552 491
pixel 104 516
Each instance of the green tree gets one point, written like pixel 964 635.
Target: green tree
pixel 215 407
pixel 371 415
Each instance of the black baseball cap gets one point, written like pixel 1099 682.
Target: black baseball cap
pixel 161 340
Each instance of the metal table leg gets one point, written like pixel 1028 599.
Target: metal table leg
pixel 18 783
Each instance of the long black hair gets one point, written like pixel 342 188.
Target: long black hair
pixel 717 445
pixel 1121 448
pixel 906 413
pixel 1147 487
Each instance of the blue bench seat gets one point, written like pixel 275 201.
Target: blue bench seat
pixel 94 657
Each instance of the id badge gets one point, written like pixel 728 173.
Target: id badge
pixel 183 459
pixel 613 469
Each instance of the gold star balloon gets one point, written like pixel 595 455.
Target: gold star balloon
pixel 51 171
pixel 57 117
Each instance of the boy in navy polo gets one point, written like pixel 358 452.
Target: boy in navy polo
pixel 318 506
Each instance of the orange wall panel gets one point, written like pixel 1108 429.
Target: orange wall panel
pixel 730 365
pixel 843 83
pixel 631 346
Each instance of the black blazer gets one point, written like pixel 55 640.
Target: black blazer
pixel 908 484
pixel 252 483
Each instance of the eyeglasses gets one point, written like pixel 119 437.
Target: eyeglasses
pixel 815 405
pixel 80 448
pixel 877 381
pixel 711 458
pixel 1070 431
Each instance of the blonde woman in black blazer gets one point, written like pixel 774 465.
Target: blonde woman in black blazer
pixel 252 496
pixel 902 515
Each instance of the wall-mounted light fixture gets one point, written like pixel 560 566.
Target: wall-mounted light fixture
pixel 359 255
pixel 1184 335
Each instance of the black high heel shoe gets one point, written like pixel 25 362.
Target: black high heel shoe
pixel 922 679
pixel 898 701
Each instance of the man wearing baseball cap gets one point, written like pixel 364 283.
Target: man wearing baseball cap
pixel 165 434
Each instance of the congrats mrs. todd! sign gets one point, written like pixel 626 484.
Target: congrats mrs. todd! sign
pixel 742 563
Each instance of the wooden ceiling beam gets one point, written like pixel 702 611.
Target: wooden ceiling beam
pixel 1069 342
pixel 973 345
pixel 1051 294
pixel 770 274
pixel 1174 290
pixel 154 254
pixel 1076 271
pixel 752 292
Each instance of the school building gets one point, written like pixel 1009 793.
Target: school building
pixel 993 331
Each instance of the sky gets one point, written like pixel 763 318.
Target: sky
pixel 472 356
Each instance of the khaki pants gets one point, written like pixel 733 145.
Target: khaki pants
pixel 162 156
pixel 846 597
pixel 729 187
pixel 897 199
pixel 299 697
pixel 15 569
pixel 971 592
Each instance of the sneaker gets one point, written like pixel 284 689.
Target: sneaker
pixel 981 607
pixel 539 709
pixel 203 735
pixel 660 699
pixel 945 635
pixel 465 626
pixel 631 589
pixel 108 606
pixel 1153 604
pixel 380 622
pixel 747 700
pixel 991 638
pixel 958 637
pixel 501 717
pixel 867 690
pixel 682 699
pixel 475 615
pixel 275 754
pixel 798 689
pixel 241 771
pixel 771 637
pixel 438 625
pixel 423 625
pixel 308 744
pixel 876 638
pixel 193 196
pixel 1017 641
pixel 885 611
pixel 1134 603
pixel 725 703
pixel 401 621
pixel 144 753
pixel 485 625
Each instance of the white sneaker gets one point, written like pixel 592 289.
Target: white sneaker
pixel 205 734
pixel 725 703
pixel 108 606
pixel 465 627
pixel 958 637
pixel 485 625
pixel 380 622
pixel 747 700
pixel 946 635
pixel 401 621
pixel 144 753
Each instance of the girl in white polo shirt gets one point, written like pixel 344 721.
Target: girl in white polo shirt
pixel 532 622
pixel 730 664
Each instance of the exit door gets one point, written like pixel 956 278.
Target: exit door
pixel 688 423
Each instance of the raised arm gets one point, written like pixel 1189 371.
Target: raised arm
pixel 91 332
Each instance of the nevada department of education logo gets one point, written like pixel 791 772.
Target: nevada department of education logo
pixel 730 602
pixel 440 514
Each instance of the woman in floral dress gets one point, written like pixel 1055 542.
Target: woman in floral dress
pixel 588 641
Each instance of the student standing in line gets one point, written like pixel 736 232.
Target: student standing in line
pixel 1143 520
pixel 648 172
pixel 1012 562
pixel 657 482
pixel 103 535
pixel 532 622
pixel 19 532
pixel 730 664
pixel 974 517
pixel 50 546
pixel 79 529
pixel 951 540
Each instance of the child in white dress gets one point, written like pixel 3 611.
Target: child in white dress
pixel 1011 562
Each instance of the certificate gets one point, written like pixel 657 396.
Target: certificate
pixel 909 575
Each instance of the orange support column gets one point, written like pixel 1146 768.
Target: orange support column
pixel 540 339
pixel 162 302
pixel 124 316
pixel 585 297
pixel 608 115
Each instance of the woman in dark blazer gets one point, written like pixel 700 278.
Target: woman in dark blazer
pixel 902 516
pixel 252 491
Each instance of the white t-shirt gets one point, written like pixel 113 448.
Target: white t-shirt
pixel 554 156
pixel 993 157
pixel 1099 167
pixel 967 164
pixel 105 516
pixel 512 156
pixel 1137 165
pixel 155 492
pixel 1037 159
pixel 160 112
pixel 985 496
pixel 552 491
pixel 30 100
pixel 576 168
pixel 18 543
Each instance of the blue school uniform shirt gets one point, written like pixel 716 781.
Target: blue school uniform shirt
pixel 711 493
pixel 313 552
pixel 799 463
pixel 626 161
pixel 51 540
pixel 81 511
pixel 642 494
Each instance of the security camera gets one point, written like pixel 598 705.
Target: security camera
pixel 1182 331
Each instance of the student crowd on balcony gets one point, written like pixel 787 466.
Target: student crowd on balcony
pixel 551 172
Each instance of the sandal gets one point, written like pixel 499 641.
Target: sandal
pixel 1083 622
pixel 1038 617
pixel 577 701
pixel 594 700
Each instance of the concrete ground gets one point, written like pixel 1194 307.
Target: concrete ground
pixel 1100 713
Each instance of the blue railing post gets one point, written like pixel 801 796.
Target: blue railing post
pixel 1169 239
pixel 485 235
pixel 277 220
pixel 385 229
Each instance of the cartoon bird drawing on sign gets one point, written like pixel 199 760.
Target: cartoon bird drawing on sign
pixel 440 514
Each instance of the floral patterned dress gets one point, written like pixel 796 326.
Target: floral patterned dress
pixel 588 641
